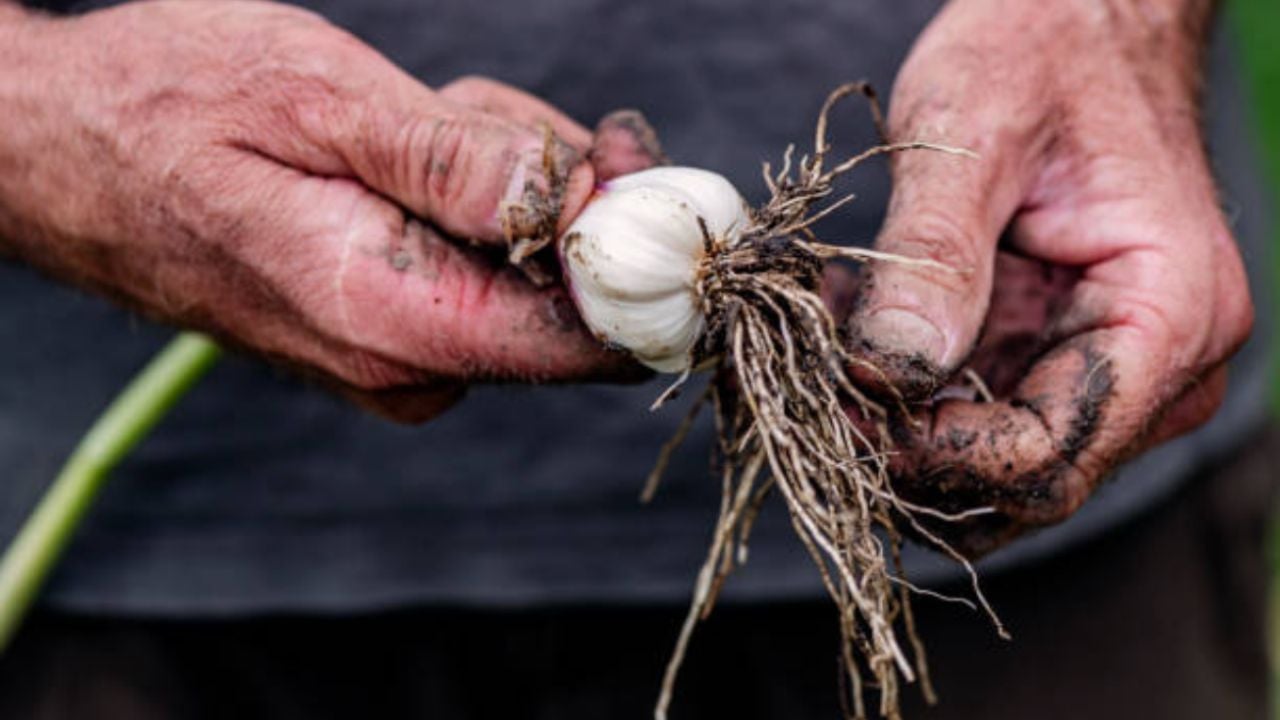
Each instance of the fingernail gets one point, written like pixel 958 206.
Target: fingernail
pixel 520 213
pixel 577 192
pixel 894 330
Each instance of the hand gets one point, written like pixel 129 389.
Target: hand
pixel 1099 291
pixel 250 170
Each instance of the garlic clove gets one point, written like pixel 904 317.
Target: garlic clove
pixel 710 194
pixel 632 258
pixel 639 248
pixel 659 333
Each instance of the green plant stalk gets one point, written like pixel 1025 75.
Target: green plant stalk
pixel 35 550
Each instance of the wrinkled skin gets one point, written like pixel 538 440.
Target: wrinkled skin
pixel 250 170
pixel 1100 292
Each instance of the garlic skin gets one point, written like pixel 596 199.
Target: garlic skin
pixel 631 259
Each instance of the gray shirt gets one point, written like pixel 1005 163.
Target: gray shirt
pixel 260 493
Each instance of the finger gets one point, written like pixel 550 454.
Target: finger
pixel 415 397
pixel 386 302
pixel 1081 409
pixel 1036 457
pixel 1198 403
pixel 457 312
pixel 1032 469
pixel 407 405
pixel 518 106
pixel 624 143
pixel 474 174
pixel 918 323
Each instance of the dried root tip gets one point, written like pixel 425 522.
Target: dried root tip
pixel 530 224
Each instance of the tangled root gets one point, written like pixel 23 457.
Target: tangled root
pixel 783 401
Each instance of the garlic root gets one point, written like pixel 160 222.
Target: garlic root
pixel 669 264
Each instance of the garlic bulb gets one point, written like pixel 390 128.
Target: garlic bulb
pixel 632 257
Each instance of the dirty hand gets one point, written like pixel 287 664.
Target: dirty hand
pixel 1099 291
pixel 250 170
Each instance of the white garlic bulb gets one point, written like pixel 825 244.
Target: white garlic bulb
pixel 631 259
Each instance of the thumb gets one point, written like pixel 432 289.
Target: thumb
pixel 917 323
pixel 472 173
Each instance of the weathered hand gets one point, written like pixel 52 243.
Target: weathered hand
pixel 250 170
pixel 1100 291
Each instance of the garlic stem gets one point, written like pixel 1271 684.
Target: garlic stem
pixel 125 423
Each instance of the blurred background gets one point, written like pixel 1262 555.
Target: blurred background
pixel 1258 24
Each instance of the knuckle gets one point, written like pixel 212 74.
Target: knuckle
pixel 309 45
pixel 306 76
pixel 1239 315
pixel 1160 326
pixel 1206 402
pixel 1198 402
pixel 941 237
pixel 470 89
pixel 318 45
pixel 1235 313
pixel 446 140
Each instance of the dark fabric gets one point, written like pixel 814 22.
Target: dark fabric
pixel 262 494
pixel 1161 619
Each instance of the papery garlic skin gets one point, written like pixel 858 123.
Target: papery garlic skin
pixel 632 256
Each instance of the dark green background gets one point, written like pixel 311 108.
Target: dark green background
pixel 1258 23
